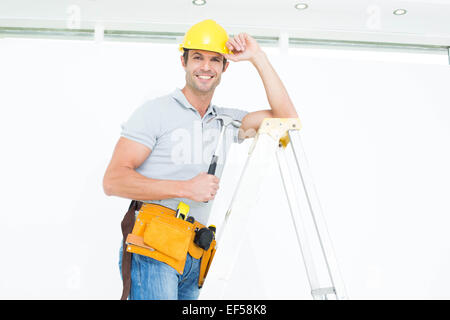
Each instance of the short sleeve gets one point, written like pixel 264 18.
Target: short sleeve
pixel 236 114
pixel 142 126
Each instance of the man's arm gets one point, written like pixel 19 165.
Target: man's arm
pixel 245 48
pixel 122 180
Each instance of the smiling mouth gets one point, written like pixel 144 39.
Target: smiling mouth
pixel 204 77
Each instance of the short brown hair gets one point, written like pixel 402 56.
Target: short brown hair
pixel 186 55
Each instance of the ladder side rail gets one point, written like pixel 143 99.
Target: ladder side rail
pixel 299 223
pixel 239 213
pixel 317 216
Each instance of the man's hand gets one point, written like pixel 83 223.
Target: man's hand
pixel 243 47
pixel 203 187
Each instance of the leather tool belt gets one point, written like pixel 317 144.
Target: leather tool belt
pixel 158 234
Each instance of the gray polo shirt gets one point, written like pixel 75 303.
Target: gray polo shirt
pixel 182 142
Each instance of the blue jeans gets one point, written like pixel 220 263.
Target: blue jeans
pixel 155 280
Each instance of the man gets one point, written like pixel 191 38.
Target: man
pixel 165 147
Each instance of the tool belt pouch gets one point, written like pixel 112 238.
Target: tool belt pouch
pixel 161 236
pixel 206 263
pixel 167 238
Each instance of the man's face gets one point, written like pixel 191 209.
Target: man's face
pixel 203 70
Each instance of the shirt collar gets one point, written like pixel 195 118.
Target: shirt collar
pixel 179 96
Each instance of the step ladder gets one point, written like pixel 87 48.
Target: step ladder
pixel 279 136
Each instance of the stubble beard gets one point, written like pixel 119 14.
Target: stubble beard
pixel 190 81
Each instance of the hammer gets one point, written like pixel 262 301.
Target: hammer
pixel 226 121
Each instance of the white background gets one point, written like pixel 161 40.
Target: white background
pixel 376 128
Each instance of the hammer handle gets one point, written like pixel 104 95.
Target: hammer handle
pixel 212 166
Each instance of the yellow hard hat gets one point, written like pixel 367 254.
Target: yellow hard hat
pixel 206 35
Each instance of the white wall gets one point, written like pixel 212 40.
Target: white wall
pixel 376 134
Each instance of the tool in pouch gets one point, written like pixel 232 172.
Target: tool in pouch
pixel 168 235
pixel 204 236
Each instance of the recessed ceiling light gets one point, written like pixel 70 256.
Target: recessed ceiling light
pixel 199 2
pixel 301 6
pixel 400 12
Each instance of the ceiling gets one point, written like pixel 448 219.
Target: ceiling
pixel 427 22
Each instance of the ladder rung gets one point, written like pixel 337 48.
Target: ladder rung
pixel 323 291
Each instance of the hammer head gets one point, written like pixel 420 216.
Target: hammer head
pixel 226 120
